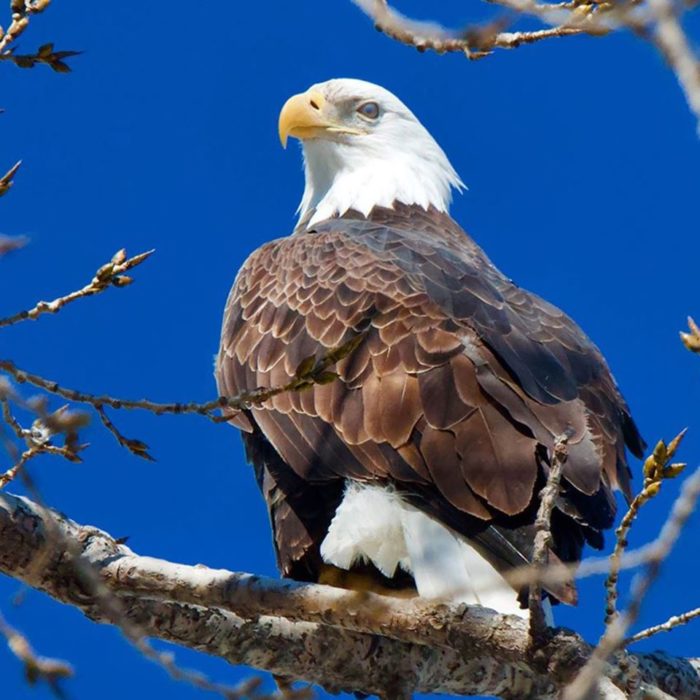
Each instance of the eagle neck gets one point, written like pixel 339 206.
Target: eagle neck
pixel 341 177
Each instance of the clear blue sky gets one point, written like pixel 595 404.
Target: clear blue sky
pixel 582 164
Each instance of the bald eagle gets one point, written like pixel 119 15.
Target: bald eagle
pixel 418 469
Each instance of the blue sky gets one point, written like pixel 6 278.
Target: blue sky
pixel 582 165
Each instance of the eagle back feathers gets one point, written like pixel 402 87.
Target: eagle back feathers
pixel 458 389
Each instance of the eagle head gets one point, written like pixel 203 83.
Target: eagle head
pixel 363 148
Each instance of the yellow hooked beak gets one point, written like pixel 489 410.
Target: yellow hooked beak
pixel 305 116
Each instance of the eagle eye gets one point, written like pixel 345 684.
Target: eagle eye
pixel 369 110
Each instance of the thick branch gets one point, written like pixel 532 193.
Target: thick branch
pixel 338 639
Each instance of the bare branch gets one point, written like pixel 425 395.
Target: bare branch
pixel 539 630
pixel 6 181
pixel 87 578
pixel 45 55
pixel 136 447
pixel 311 371
pixel 615 632
pixel 671 41
pixel 11 473
pixel 36 668
pixel 670 624
pixel 653 20
pixel 474 42
pixel 21 12
pixel 691 340
pixel 38 437
pixel 108 275
pixel 11 243
pixel 683 508
pixel 401 646
pixel 657 468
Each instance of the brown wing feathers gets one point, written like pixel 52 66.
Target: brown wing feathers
pixel 458 390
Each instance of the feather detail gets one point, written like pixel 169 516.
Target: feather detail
pixel 454 397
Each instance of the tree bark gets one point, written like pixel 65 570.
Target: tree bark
pixel 341 640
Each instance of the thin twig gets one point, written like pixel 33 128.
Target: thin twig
pixel 511 40
pixel 47 425
pixel 670 624
pixel 691 340
pixel 543 539
pixel 673 44
pixel 108 275
pixel 136 447
pixel 306 376
pixel 6 180
pixel 37 438
pixel 8 244
pixel 475 42
pixel 7 416
pixel 45 54
pixel 682 509
pixel 615 632
pixel 35 667
pixel 561 572
pixel 657 468
pixel 9 475
pixel 653 20
pixel 21 11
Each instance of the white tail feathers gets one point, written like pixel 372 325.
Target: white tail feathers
pixel 367 527
pixel 374 524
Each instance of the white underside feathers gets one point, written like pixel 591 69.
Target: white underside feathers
pixel 367 527
pixel 374 524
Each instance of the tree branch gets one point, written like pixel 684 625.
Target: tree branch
pixel 616 629
pixel 657 468
pixel 108 275
pixel 6 181
pixel 22 10
pixel 35 667
pixel 338 639
pixel 656 21
pixel 312 370
pixel 8 244
pixel 691 340
pixel 543 539
pixel 670 39
pixel 670 624
pixel 475 42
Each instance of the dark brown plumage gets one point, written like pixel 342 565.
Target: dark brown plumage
pixel 455 395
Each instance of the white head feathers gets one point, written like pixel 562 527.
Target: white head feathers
pixel 364 148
